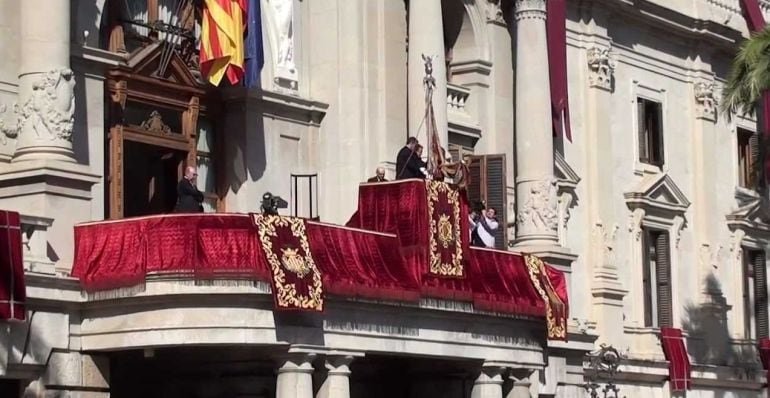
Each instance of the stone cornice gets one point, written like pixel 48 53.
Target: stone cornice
pixel 675 22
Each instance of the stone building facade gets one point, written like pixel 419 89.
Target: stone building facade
pixel 656 181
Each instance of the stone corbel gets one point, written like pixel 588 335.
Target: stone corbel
pixel 635 224
pixel 564 204
pixel 705 101
pixel 601 65
pixel 9 130
pixel 676 228
pixel 736 242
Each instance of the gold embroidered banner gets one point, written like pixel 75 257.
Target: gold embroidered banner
pixel 296 280
pixel 556 309
pixel 446 230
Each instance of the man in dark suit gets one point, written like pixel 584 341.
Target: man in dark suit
pixel 189 198
pixel 408 162
pixel 379 176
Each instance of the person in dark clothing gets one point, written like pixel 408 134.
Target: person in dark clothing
pixel 379 176
pixel 408 162
pixel 189 198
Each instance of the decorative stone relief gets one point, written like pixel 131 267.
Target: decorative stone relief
pixel 709 256
pixel 539 211
pixel 601 65
pixel 603 239
pixel 282 12
pixel 705 101
pixel 635 224
pixel 50 111
pixel 9 129
pixel 494 11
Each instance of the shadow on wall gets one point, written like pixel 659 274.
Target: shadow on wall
pixel 708 340
pixel 245 143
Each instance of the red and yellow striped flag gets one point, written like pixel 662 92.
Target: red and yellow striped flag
pixel 222 46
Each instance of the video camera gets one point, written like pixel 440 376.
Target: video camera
pixel 271 204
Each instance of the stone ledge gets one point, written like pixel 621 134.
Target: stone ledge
pixel 47 177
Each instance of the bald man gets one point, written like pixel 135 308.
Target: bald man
pixel 189 198
pixel 379 175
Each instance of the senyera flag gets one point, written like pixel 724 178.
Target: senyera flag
pixel 12 289
pixel 222 47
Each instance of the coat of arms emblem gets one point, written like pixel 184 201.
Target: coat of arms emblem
pixel 294 262
pixel 445 233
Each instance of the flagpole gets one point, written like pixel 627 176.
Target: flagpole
pixel 429 82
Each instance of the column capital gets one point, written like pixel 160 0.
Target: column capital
pixel 529 9
pixel 296 362
pixel 338 364
pixel 521 377
pixel 490 374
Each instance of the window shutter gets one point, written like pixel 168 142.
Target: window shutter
pixel 642 131
pixel 496 195
pixel 754 164
pixel 474 188
pixel 646 276
pixel 663 276
pixel 760 294
pixel 659 148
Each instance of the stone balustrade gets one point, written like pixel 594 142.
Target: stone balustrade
pixel 457 97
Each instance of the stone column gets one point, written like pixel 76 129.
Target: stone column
pixel 337 383
pixel 73 374
pixel 295 376
pixel 489 384
pixel 426 37
pixel 537 216
pixel 46 82
pixel 521 384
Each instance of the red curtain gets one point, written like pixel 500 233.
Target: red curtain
pixel 556 25
pixel 501 283
pixel 678 360
pixel 764 356
pixel 121 253
pixel 12 289
pixel 357 263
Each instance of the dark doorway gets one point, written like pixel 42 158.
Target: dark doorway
pixel 150 178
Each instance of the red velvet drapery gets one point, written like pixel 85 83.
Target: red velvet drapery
pixel 12 288
pixel 556 25
pixel 678 360
pixel 764 356
pixel 390 263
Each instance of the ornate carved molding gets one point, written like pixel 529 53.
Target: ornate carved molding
pixel 601 64
pixel 9 130
pixel 529 9
pixel 50 110
pixel 539 210
pixel 705 101
pixel 564 204
pixel 155 124
pixel 494 12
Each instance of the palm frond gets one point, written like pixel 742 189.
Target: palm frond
pixel 749 75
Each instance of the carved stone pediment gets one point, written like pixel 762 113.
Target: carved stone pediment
pixel 753 216
pixel 146 61
pixel 658 193
pixel 566 176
